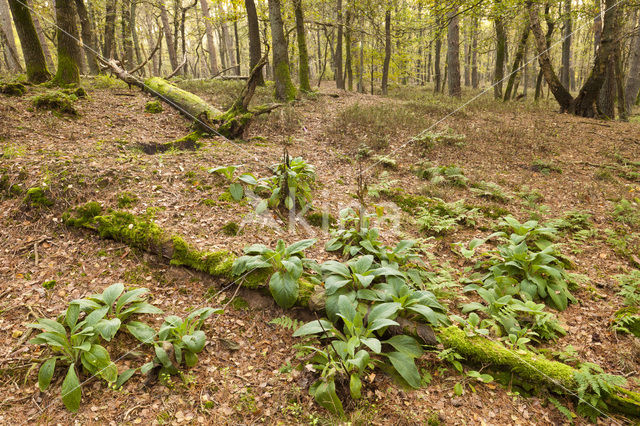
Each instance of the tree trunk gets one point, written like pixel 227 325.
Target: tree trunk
pixel 546 68
pixel 474 54
pixel 347 62
pixel 9 40
pixel 453 53
pixel 127 39
pixel 134 35
pixel 303 54
pixel 226 41
pixel 254 37
pixel 501 46
pixel 437 77
pixel 565 71
pixel 387 51
pixel 285 90
pixel 361 69
pixel 607 95
pixel 108 48
pixel 632 86
pixel 237 40
pixel 68 49
pixel 31 49
pixel 338 55
pixel 517 60
pixel 43 39
pixel 211 46
pixel 87 37
pixel 168 36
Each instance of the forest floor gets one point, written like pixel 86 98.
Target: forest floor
pixel 547 164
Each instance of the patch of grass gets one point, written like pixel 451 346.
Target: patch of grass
pixel 37 197
pixel 545 167
pixel 429 139
pixel 491 191
pixel 153 107
pixel 56 101
pixel 441 175
pixel 103 81
pixel 126 199
pixel 231 229
pixel 386 162
pixel 10 151
pixel 13 89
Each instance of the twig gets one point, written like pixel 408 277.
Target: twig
pixel 177 70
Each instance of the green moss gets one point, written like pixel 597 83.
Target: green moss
pixel 78 92
pixel 126 199
pixel 153 107
pixel 136 231
pixel 217 263
pixel 67 71
pixel 239 304
pixel 283 75
pixel 231 229
pixel 37 197
pixel 406 201
pixel 49 284
pixel 320 219
pixel 225 196
pixel 55 101
pixel 209 202
pixel 12 89
pixel 82 215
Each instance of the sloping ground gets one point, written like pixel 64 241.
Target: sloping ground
pixel 245 373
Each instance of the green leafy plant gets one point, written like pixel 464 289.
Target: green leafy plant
pixel 442 217
pixel 526 264
pixel 593 385
pixel 285 264
pixel 75 344
pixel 355 234
pixel 177 341
pixel 628 212
pixel 113 307
pixel 491 191
pixel 627 319
pixel 286 322
pixel 442 175
pixel 235 187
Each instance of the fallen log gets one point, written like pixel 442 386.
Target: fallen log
pixel 142 233
pixel 231 123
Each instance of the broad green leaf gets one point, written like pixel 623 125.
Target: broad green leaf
pixel 346 308
pixel 334 267
pixel 71 316
pixel 46 373
pixel 195 342
pixel 284 289
pixel 248 178
pixel 190 359
pixel 314 327
pixel 126 375
pixel 109 373
pixel 406 367
pixel 355 386
pixel 383 310
pixel 71 392
pixel 381 323
pixel 163 357
pixel 372 343
pixel 129 297
pixel 405 344
pixel 363 264
pixel 96 315
pixel 325 395
pixel 141 331
pixel 108 328
pixel 457 389
pixel 236 191
pixel 300 246
pixel 111 293
pixel 47 324
pixel 147 367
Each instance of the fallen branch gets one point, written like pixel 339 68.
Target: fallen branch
pixel 144 234
pixel 153 52
pixel 179 67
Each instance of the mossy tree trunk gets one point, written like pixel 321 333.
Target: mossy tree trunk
pixel 142 233
pixel 68 71
pixel 285 90
pixel 303 55
pixel 35 62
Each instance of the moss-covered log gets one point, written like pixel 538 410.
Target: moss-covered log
pixel 143 233
pixel 231 123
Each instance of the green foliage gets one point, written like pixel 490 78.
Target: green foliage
pixel 56 101
pixel 386 162
pixel 384 185
pixel 126 199
pixel 235 187
pixel 627 319
pixel 76 343
pixel 491 191
pixel 630 287
pixel 441 175
pixel 285 264
pixel 545 167
pixel 38 197
pixel 593 386
pixel 428 139
pixel 287 323
pixel 573 221
pixel 441 217
pixel 153 107
pixel 355 234
pixel 525 265
pixel 628 212
pixel 12 89
pixel 231 229
pixel 178 340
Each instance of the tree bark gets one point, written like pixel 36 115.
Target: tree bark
pixel 338 55
pixel 254 38
pixel 632 86
pixel 108 48
pixel 517 60
pixel 127 39
pixel 87 37
pixel 226 41
pixel 35 62
pixel 565 72
pixel 68 49
pixel 474 54
pixel 437 77
pixel 348 59
pixel 208 28
pixel 168 36
pixel 501 46
pixel 453 53
pixel 9 40
pixel 387 51
pixel 285 90
pixel 303 54
pixel 237 40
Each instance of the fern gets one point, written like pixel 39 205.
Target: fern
pixel 287 323
pixel 564 410
pixel 592 379
pixel 630 288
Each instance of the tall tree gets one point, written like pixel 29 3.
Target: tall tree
pixel 387 51
pixel 285 90
pixel 168 36
pixel 254 38
pixel 108 48
pixel 13 61
pixel 437 77
pixel 517 60
pixel 338 54
pixel 347 41
pixel 127 38
pixel 632 86
pixel 68 49
pixel 565 71
pixel 87 37
pixel 453 52
pixel 303 67
pixel 227 43
pixel 474 54
pixel 208 28
pixel 35 62
pixel 501 47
